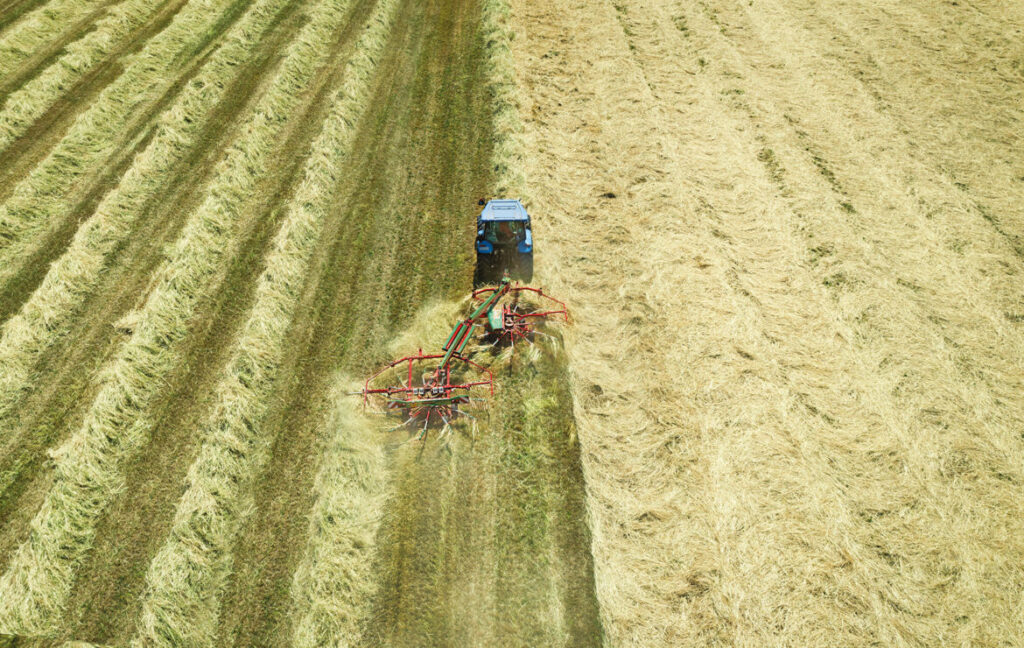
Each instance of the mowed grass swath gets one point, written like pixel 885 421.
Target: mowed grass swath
pixel 508 156
pixel 181 602
pixel 29 102
pixel 71 279
pixel 34 30
pixel 43 199
pixel 334 584
pixel 88 470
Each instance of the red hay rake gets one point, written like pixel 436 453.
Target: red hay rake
pixel 435 397
pixel 435 389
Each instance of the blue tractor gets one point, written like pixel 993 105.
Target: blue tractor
pixel 504 242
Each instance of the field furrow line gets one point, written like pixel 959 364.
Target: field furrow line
pixel 181 603
pixel 333 587
pixel 43 319
pixel 40 201
pixel 88 466
pixel 34 30
pixel 25 105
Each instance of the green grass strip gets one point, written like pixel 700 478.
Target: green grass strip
pixel 41 199
pixel 27 104
pixel 25 37
pixel 509 151
pixel 44 317
pixel 88 471
pixel 180 606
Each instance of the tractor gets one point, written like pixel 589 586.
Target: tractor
pixel 434 389
pixel 504 242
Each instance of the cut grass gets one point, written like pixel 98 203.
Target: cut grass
pixel 40 201
pixel 88 470
pixel 181 602
pixel 544 568
pixel 34 30
pixel 23 107
pixel 508 163
pixel 43 318
pixel 538 447
pixel 770 461
pixel 333 585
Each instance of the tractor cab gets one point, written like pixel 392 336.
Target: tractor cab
pixel 504 242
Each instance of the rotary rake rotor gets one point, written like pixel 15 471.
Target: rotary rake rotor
pixel 517 314
pixel 426 393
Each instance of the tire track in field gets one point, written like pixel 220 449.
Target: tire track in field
pixel 105 600
pixel 66 371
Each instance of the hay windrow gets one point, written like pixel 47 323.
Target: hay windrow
pixel 508 158
pixel 34 30
pixel 88 465
pixel 334 585
pixel 42 319
pixel 42 198
pixel 181 604
pixel 29 102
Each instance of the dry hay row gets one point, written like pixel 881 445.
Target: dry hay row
pixel 23 107
pixel 953 278
pixel 43 319
pixel 963 100
pixel 882 175
pixel 88 466
pixel 333 585
pixel 41 200
pixel 38 28
pixel 181 603
pixel 507 159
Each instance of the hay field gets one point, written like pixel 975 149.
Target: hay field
pixel 788 411
pixel 792 234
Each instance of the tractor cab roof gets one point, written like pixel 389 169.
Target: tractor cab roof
pixel 504 210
